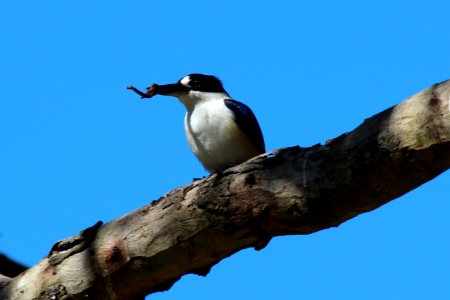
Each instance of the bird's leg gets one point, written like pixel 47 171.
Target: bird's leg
pixel 150 91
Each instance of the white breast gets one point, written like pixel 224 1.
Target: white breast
pixel 215 138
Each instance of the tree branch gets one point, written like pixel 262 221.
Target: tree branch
pixel 9 267
pixel 287 191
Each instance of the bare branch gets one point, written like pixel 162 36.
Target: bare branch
pixel 287 191
pixel 9 267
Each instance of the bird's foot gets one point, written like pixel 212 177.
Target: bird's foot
pixel 197 178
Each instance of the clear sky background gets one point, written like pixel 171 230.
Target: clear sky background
pixel 77 147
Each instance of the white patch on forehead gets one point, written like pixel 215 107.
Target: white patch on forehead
pixel 185 81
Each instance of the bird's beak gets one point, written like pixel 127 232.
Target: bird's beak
pixel 175 90
pixel 167 89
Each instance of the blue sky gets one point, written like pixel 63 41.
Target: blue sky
pixel 77 147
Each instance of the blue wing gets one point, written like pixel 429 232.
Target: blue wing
pixel 246 120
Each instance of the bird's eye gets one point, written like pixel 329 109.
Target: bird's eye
pixel 195 84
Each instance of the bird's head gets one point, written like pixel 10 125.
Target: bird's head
pixel 190 89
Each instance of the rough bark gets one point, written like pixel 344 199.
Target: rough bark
pixel 287 191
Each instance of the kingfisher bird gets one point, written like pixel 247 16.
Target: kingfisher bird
pixel 221 132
